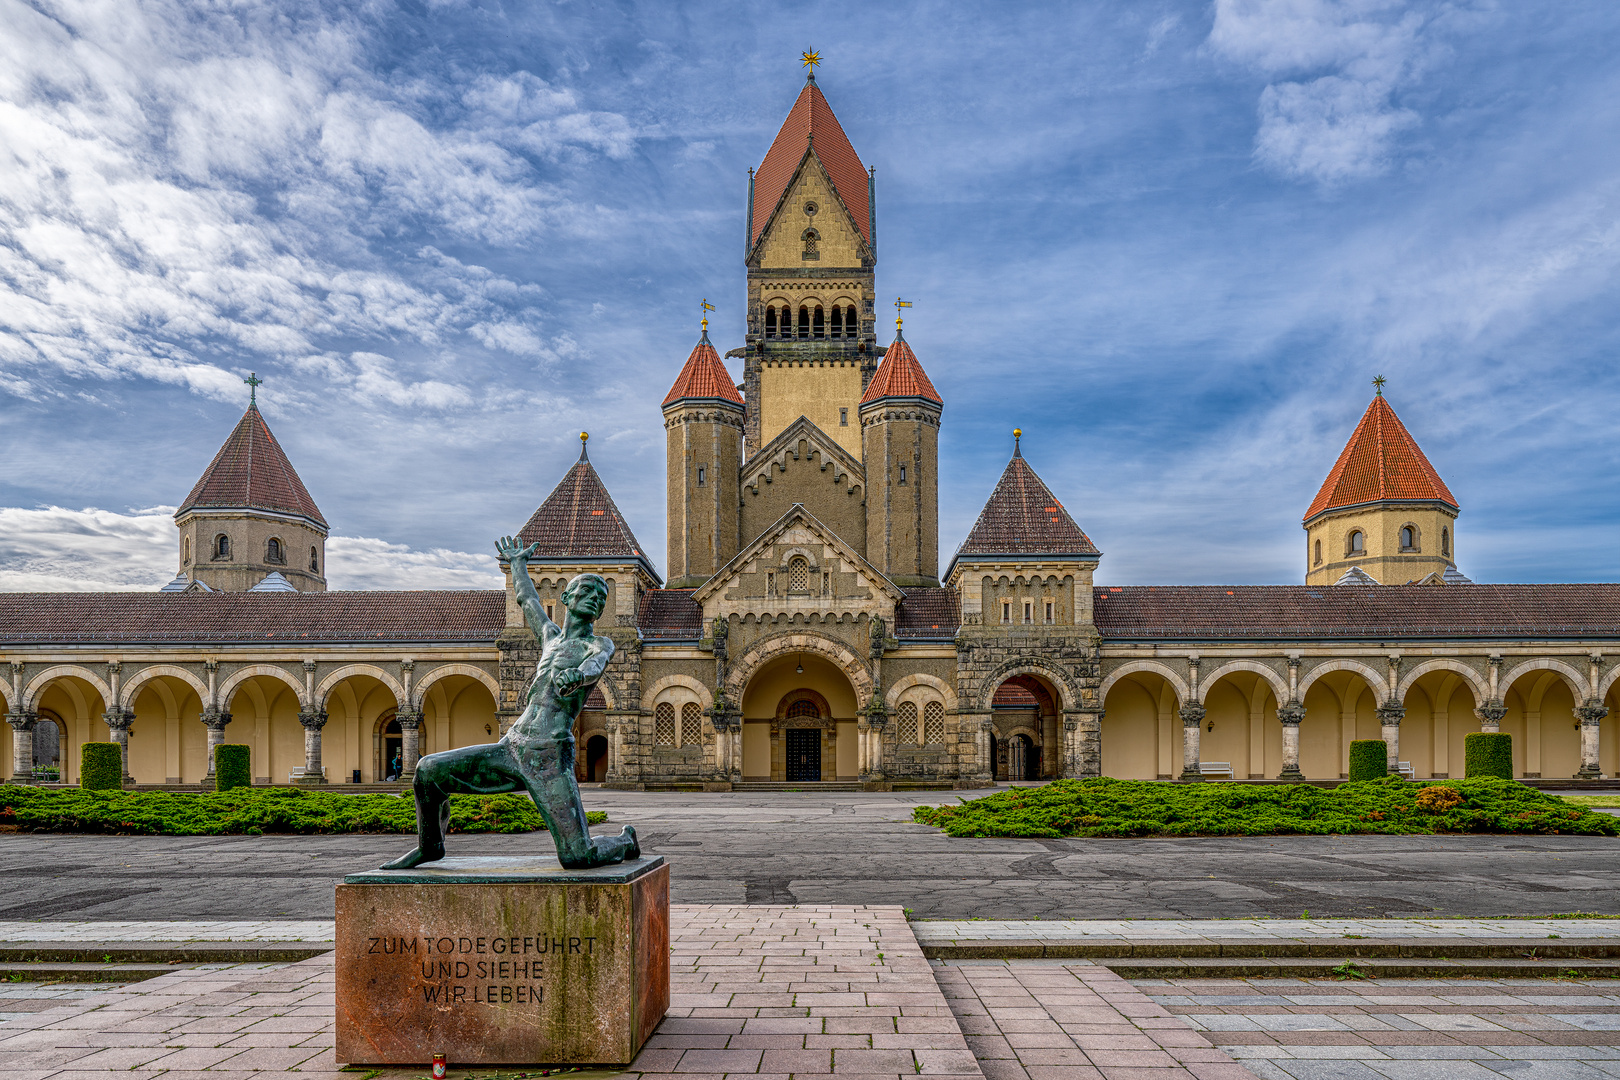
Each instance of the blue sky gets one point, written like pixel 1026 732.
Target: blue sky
pixel 1173 242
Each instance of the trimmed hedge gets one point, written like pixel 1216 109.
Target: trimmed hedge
pixel 233 766
pixel 101 767
pixel 1105 807
pixel 1488 753
pixel 252 811
pixel 1369 759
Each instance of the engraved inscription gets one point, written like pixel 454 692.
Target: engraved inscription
pixel 460 970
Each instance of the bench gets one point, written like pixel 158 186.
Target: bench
pixel 1216 768
pixel 1404 768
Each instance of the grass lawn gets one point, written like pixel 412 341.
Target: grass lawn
pixel 1106 807
pixel 252 812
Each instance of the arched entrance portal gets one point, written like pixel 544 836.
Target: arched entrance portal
pixel 390 762
pixel 799 721
pixel 48 748
pixel 1025 707
pixel 595 758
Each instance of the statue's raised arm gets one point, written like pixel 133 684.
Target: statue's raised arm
pixel 514 553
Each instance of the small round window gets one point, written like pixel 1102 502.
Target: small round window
pixel 811 208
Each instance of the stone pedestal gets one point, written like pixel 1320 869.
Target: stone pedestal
pixel 501 961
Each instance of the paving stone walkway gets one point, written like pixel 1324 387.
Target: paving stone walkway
pixel 1211 930
pixel 1405 1029
pixel 1033 1020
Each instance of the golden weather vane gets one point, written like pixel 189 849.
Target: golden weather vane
pixel 706 307
pixel 811 59
pixel 898 304
pixel 1378 385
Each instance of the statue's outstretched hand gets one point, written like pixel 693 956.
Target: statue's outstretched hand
pixel 509 549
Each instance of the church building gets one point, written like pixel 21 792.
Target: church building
pixel 804 630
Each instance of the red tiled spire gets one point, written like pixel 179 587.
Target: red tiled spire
pixel 704 376
pixel 900 375
pixel 1380 462
pixel 811 123
pixel 251 472
pixel 578 520
pixel 1023 518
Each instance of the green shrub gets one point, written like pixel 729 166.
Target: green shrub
pixel 101 767
pixel 1488 753
pixel 1369 759
pixel 1105 807
pixel 233 766
pixel 252 811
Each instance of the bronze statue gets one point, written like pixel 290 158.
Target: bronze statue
pixel 537 752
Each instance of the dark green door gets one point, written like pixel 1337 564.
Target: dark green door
pixel 803 754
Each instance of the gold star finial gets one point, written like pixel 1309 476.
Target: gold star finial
pixel 1378 385
pixel 811 60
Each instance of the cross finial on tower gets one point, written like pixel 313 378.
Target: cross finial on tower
pixel 1378 386
pixel 254 382
pixel 1018 435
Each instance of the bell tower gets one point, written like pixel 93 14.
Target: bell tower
pixel 811 257
pixel 703 427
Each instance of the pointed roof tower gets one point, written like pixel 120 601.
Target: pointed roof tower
pixel 251 472
pixel 1380 463
pixel 1023 519
pixel 901 376
pixel 579 524
pixel 811 128
pixel 704 377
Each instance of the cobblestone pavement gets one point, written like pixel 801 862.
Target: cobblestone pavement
pixel 1073 1021
pixel 856 848
pixel 1404 1029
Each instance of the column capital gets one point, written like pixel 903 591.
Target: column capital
pixel 408 718
pixel 211 665
pixel 1192 714
pixel 1591 713
pixel 115 666
pixel 312 719
pixel 215 717
pixel 1492 712
pixel 407 665
pixel 22 720
pixel 118 718
pixel 1291 714
pixel 1391 713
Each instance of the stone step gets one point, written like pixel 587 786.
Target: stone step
pixel 1298 967
pixel 1329 949
pixel 803 785
pixel 160 952
pixel 82 973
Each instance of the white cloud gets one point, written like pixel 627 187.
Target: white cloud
pixel 55 549
pixel 1337 121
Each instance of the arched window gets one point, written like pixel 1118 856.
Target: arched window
pixel 1445 542
pixel 1319 553
pixel 1358 543
pixel 1409 539
pixel 798 575
pixel 185 550
pixel 804 321
pixel 664 724
pixel 702 476
pixel 222 546
pixel 934 723
pixel 272 552
pixel 837 324
pixel 811 238
pixel 691 724
pixel 905 724
pixel 802 709
pixel 770 321
pixel 818 322
pixel 314 560
pixel 851 323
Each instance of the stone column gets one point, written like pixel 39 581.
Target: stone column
pixel 875 725
pixel 1591 715
pixel 1490 716
pixel 410 742
pixel 313 720
pixel 1389 718
pixel 214 719
pixel 1192 726
pixel 1290 715
pixel 22 745
pixel 861 758
pixel 120 722
pixel 1085 743
pixel 987 764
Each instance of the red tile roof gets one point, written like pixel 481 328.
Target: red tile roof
pixel 1381 461
pixel 811 123
pixel 251 472
pixel 472 616
pixel 928 615
pixel 1024 518
pixel 670 615
pixel 1374 612
pixel 704 376
pixel 901 376
pixel 578 521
